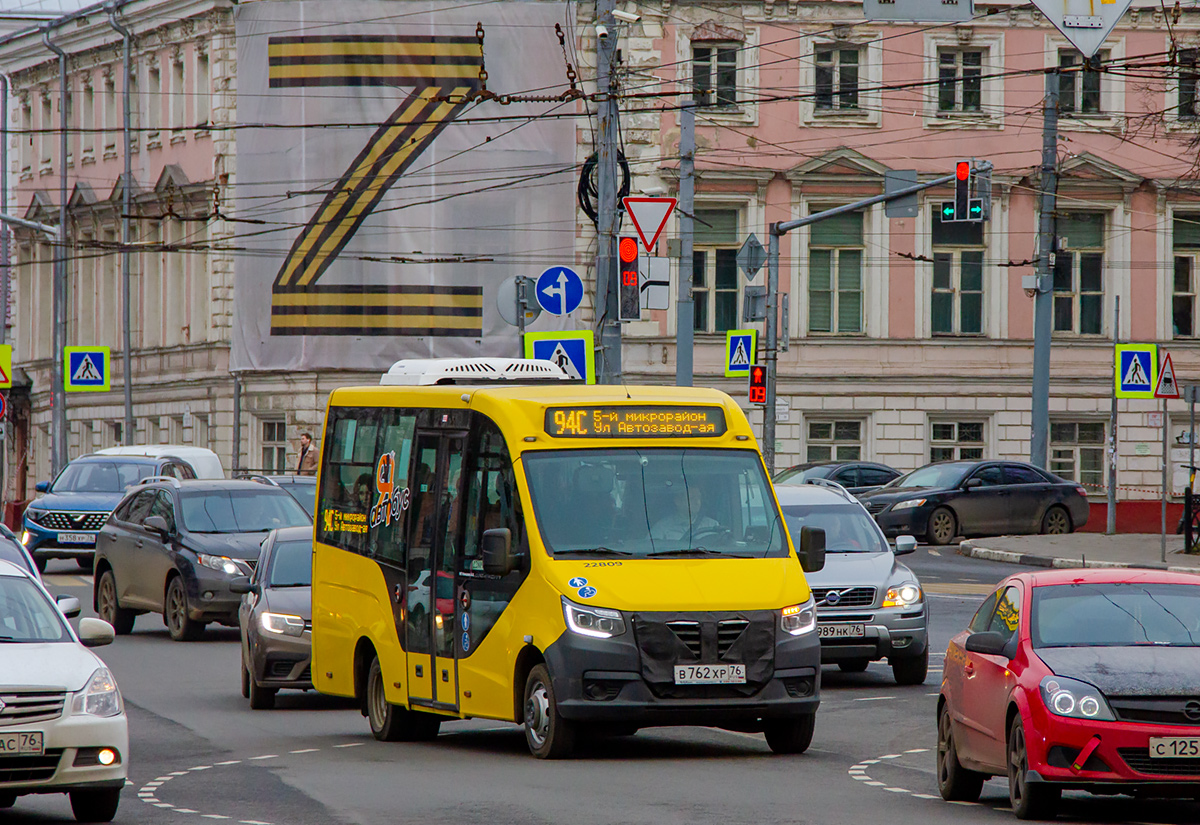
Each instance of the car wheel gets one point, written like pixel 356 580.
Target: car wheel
pixel 109 608
pixel 245 682
pixel 955 783
pixel 854 665
pixel 95 806
pixel 1056 521
pixel 175 611
pixel 261 698
pixel 547 733
pixel 911 671
pixel 943 526
pixel 791 735
pixel 1030 800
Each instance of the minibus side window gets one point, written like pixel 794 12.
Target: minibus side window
pixel 392 491
pixel 348 482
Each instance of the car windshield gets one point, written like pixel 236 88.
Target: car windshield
pixel 935 475
pixel 1116 615
pixel 26 615
pixel 291 564
pixel 303 492
pixel 665 502
pixel 848 528
pixel 101 476
pixel 798 475
pixel 241 511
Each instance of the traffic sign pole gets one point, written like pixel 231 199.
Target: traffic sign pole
pixel 685 317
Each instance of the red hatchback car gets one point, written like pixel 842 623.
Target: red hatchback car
pixel 1075 679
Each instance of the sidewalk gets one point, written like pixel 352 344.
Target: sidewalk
pixel 1084 550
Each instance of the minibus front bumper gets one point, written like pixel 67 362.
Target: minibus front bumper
pixel 618 680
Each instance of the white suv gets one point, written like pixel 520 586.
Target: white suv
pixel 62 721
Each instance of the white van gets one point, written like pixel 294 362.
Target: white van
pixel 205 462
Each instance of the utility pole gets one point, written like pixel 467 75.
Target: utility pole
pixel 607 298
pixel 4 271
pixel 58 415
pixel 1111 527
pixel 126 210
pixel 1043 301
pixel 685 311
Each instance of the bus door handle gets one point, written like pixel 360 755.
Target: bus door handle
pixel 420 671
pixel 445 675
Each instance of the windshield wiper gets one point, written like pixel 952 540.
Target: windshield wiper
pixel 697 551
pixel 592 551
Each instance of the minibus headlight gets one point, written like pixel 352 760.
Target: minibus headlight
pixel 597 622
pixel 799 618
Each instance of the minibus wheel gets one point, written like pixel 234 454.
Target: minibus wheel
pixel 792 735
pixel 548 735
pixel 388 722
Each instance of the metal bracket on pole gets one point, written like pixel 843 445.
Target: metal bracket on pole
pixel 44 228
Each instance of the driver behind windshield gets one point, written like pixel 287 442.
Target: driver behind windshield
pixel 685 515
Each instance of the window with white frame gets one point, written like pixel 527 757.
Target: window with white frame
pixel 1077 452
pixel 87 112
pixel 1079 274
pixel 715 74
pixel 714 270
pixel 956 305
pixel 46 139
pixel 835 277
pixel 955 440
pixel 115 433
pixel 960 80
pixel 836 77
pixel 835 440
pixel 1188 67
pixel 274 446
pixel 111 120
pixel 202 104
pixel 1186 241
pixel 201 434
pixel 154 100
pixel 1079 84
pixel 178 97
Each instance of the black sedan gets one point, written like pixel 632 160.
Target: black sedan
pixel 977 498
pixel 856 476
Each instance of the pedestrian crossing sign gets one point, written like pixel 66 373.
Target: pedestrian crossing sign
pixel 86 369
pixel 573 350
pixel 740 348
pixel 5 366
pixel 1136 370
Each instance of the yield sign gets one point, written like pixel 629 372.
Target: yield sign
pixel 1167 388
pixel 649 216
pixel 1084 22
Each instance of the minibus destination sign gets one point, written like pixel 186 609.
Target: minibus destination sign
pixel 635 422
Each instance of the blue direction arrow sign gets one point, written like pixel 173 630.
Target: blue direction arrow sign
pixel 559 290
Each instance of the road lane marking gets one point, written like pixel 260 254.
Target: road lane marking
pixel 306 750
pixel 917 750
pixel 266 756
pixel 227 762
pixel 873 698
pixel 201 768
pixel 859 774
pixel 350 745
pixel 214 816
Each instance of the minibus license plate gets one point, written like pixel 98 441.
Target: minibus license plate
pixel 841 631
pixel 1174 747
pixel 710 674
pixel 28 743
pixel 76 538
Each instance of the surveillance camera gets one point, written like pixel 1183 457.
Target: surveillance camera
pixel 601 31
pixel 654 191
pixel 625 16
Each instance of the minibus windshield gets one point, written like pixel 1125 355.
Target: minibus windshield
pixel 654 503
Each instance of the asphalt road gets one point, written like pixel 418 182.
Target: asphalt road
pixel 200 754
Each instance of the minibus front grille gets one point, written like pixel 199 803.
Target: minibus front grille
pixel 743 637
pixel 689 634
pixel 728 632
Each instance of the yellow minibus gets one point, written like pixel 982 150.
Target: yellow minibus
pixel 575 559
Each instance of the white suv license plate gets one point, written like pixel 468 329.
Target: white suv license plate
pixel 1174 747
pixel 28 743
pixel 76 538
pixel 841 631
pixel 710 674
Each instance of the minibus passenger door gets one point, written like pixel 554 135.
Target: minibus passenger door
pixel 419 610
pixel 446 629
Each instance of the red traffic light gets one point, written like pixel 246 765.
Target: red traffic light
pixel 962 170
pixel 628 250
pixel 758 385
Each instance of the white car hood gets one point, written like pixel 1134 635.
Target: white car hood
pixel 61 665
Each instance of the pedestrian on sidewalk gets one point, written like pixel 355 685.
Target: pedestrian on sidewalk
pixel 307 465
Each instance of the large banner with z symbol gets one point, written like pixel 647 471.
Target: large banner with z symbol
pixel 380 202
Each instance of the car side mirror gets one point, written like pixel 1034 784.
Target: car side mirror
pixel 905 545
pixel 68 605
pixel 988 642
pixel 242 585
pixel 42 486
pixel 812 549
pixel 95 633
pixel 158 524
pixel 497 551
pixel 972 483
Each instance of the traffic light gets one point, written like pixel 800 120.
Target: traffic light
pixel 629 285
pixel 758 384
pixel 962 190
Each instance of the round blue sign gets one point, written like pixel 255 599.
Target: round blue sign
pixel 559 290
pixel 466 621
pixel 466 642
pixel 578 581
pixel 587 592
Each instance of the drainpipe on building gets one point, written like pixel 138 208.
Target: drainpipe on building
pixel 126 211
pixel 4 270
pixel 236 461
pixel 58 419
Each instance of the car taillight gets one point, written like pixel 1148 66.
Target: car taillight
pixel 1081 491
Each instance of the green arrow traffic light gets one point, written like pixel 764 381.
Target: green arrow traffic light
pixel 975 209
pixel 947 210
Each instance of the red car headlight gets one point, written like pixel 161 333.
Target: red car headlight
pixel 1074 699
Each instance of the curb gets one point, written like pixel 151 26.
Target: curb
pixel 970 549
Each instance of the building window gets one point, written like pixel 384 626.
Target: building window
pixel 178 97
pixel 175 429
pixel 1186 239
pixel 960 80
pixel 274 447
pixel 834 440
pixel 201 434
pixel 714 270
pixel 957 301
pixel 1079 274
pixel 111 129
pixel 1189 71
pixel 116 433
pixel 714 75
pixel 836 78
pixel 201 104
pixel 1078 90
pixel 87 113
pixel 835 260
pixel 956 440
pixel 1077 452
pixel 47 137
pixel 155 94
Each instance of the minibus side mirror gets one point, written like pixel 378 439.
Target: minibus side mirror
pixel 497 551
pixel 812 549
